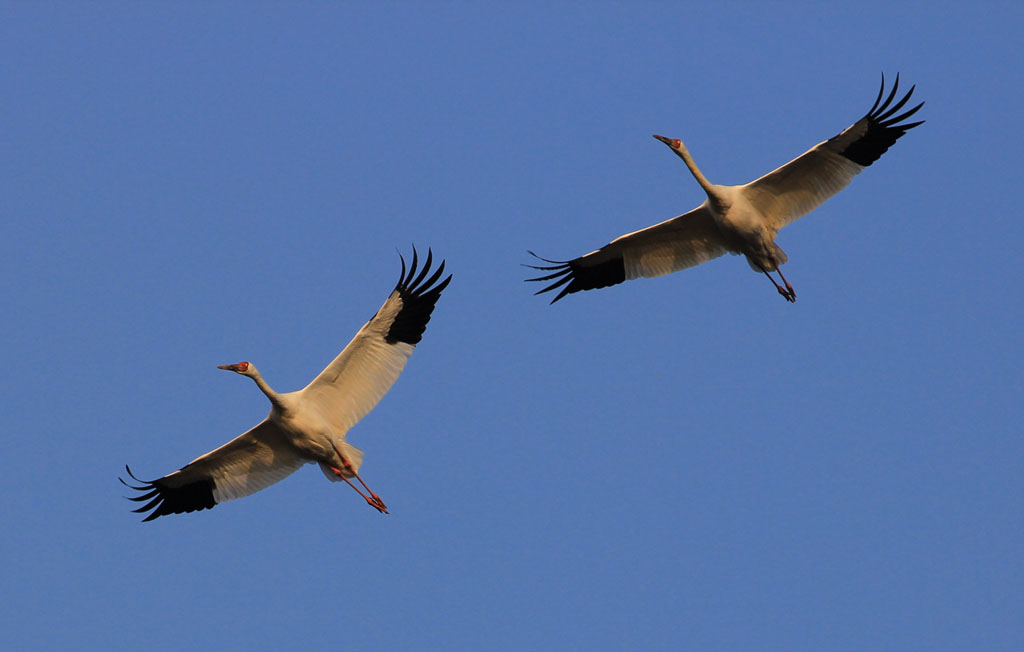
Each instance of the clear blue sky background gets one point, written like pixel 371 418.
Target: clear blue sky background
pixel 687 462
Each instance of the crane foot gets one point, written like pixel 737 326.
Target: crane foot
pixel 376 503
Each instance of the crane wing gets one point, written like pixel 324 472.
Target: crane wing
pixel 250 462
pixel 803 184
pixel 675 244
pixel 366 369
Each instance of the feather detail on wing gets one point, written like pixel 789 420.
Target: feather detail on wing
pixel 366 369
pixel 803 184
pixel 250 462
pixel 675 244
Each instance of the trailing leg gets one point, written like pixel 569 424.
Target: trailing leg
pixel 350 471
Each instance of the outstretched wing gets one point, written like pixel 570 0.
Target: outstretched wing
pixel 684 241
pixel 366 369
pixel 250 462
pixel 803 184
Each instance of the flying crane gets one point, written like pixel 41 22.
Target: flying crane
pixel 308 425
pixel 739 219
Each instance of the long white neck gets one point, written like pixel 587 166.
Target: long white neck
pixel 274 397
pixel 694 170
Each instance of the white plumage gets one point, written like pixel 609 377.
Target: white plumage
pixel 739 219
pixel 309 425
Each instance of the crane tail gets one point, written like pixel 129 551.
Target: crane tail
pixel 352 454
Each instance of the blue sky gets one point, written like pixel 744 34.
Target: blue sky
pixel 686 462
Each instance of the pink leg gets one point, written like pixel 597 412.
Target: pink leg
pixel 373 499
pixel 789 295
pixel 792 292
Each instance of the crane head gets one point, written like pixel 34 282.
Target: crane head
pixel 674 143
pixel 240 368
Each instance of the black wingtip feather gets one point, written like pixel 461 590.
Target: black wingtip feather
pixel 545 278
pixel 426 266
pixel 419 297
pixel 881 90
pixel 882 130
pixel 577 275
pixel 147 496
pixel 165 499
pixel 896 107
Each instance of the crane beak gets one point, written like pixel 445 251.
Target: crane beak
pixel 237 368
pixel 668 141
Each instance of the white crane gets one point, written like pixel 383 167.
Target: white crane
pixel 308 425
pixel 739 219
